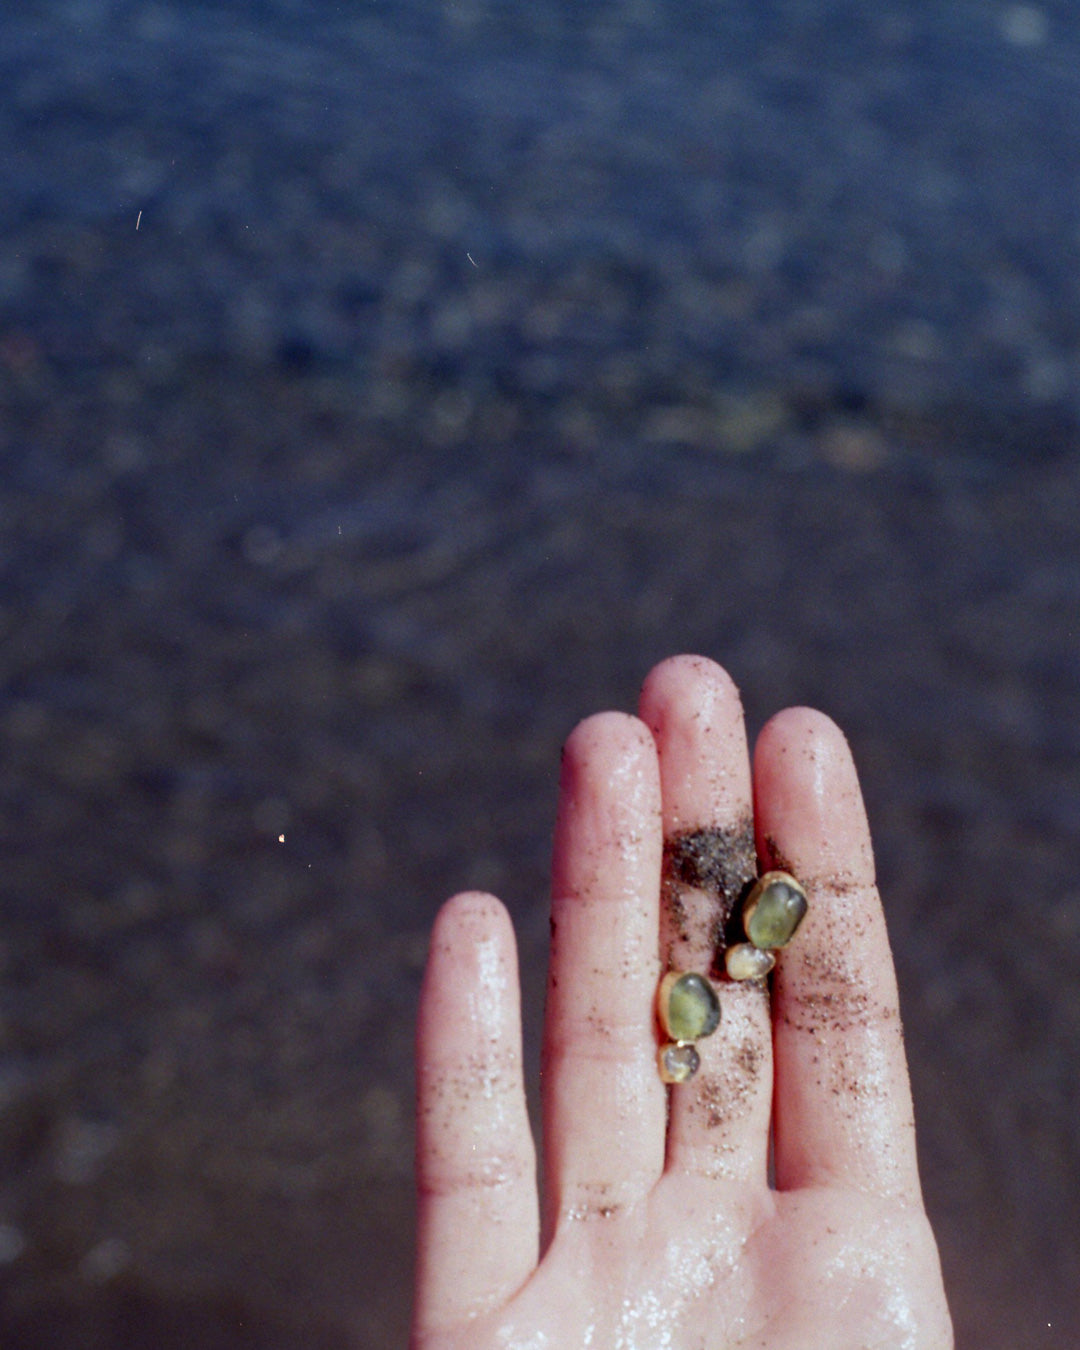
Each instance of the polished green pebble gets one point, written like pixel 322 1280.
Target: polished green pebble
pixel 773 910
pixel 688 1006
pixel 678 1063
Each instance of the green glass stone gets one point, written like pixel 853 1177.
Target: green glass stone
pixel 678 1063
pixel 688 1006
pixel 773 910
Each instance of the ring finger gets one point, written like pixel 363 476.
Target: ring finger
pixel 603 1102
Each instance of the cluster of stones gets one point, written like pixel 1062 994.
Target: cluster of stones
pixel 687 1005
pixel 771 913
pixel 688 1009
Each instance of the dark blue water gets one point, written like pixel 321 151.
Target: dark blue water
pixel 872 205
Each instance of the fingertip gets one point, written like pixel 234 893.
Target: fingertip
pixel 808 805
pixel 612 734
pixel 808 729
pixel 470 912
pixel 693 710
pixel 472 952
pixel 686 681
pixel 464 924
pixel 609 788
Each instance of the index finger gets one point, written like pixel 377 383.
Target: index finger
pixel 842 1101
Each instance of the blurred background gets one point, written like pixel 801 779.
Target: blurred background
pixel 386 386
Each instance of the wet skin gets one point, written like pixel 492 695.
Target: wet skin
pixel 659 1226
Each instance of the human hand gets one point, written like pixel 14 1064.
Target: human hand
pixel 660 1226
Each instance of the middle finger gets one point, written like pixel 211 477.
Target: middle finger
pixel 719 1121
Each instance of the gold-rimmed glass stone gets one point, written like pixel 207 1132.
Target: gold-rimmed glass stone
pixel 687 1005
pixel 773 910
pixel 744 961
pixel 678 1063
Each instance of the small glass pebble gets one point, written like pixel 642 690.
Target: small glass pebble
pixel 773 910
pixel 678 1063
pixel 744 961
pixel 687 1006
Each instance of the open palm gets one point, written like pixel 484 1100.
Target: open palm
pixel 660 1225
